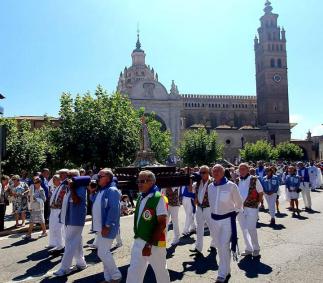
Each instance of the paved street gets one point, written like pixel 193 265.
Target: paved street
pixel 292 252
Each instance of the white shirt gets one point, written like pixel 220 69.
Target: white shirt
pixel 160 210
pixel 244 187
pixel 201 191
pixel 224 198
pixel 96 212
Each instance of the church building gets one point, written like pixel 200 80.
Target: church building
pixel 236 118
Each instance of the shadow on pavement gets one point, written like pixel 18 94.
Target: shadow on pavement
pixel 253 266
pixel 281 215
pixel 41 268
pixel 20 243
pixel 274 227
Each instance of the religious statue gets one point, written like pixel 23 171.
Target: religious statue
pixel 144 139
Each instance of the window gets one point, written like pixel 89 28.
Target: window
pixel 279 63
pixel 185 104
pixel 269 36
pixel 227 141
pixel 272 63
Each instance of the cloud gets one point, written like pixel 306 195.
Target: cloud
pixel 296 118
pixel 317 130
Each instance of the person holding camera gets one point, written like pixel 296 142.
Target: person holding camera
pixel 72 215
pixel 150 222
pixel 203 213
pixel 106 221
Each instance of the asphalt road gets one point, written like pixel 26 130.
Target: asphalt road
pixel 290 252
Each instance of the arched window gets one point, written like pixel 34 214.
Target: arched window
pixel 279 63
pixel 281 47
pixel 269 36
pixel 198 104
pixel 185 104
pixel 272 63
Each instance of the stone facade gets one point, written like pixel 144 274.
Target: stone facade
pixel 236 118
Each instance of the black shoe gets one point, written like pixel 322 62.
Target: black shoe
pixel 228 277
pixel 196 251
pixel 212 250
pixel 307 209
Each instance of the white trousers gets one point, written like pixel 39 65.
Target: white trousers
pixel 139 263
pixel 202 216
pixel 222 230
pixel 111 271
pixel 73 247
pixel 173 213
pixel 271 201
pixel 306 194
pixel 248 223
pixel 189 215
pixel 56 230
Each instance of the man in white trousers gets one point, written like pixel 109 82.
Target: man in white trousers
pixel 303 173
pixel 56 229
pixel 188 198
pixel 225 202
pixel 172 195
pixel 251 192
pixel 106 222
pixel 150 222
pixel 73 217
pixel 271 186
pixel 203 212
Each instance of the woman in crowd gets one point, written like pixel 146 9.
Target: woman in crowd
pixel 292 184
pixel 19 193
pixel 37 201
pixel 4 191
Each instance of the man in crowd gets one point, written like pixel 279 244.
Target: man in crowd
pixel 225 202
pixel 188 198
pixel 302 172
pixel 150 222
pixel 106 222
pixel 72 215
pixel 44 176
pixel 172 194
pixel 271 186
pixel 203 213
pixel 56 229
pixel 251 192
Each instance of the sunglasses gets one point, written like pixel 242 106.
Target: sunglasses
pixel 102 176
pixel 141 181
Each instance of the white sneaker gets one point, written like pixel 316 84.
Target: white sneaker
pixel 61 272
pixel 118 245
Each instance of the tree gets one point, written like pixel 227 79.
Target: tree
pixel 261 150
pixel 26 149
pixel 103 130
pixel 289 151
pixel 198 147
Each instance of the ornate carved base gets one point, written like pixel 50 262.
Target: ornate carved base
pixel 145 158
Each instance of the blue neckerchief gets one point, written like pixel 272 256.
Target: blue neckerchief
pixel 260 168
pixel 244 178
pixel 153 189
pixel 223 181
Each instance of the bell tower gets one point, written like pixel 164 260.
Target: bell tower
pixel 271 77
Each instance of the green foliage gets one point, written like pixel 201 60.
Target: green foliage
pixel 261 150
pixel 289 151
pixel 103 130
pixel 26 149
pixel 198 148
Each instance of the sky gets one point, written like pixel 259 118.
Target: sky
pixel 206 46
